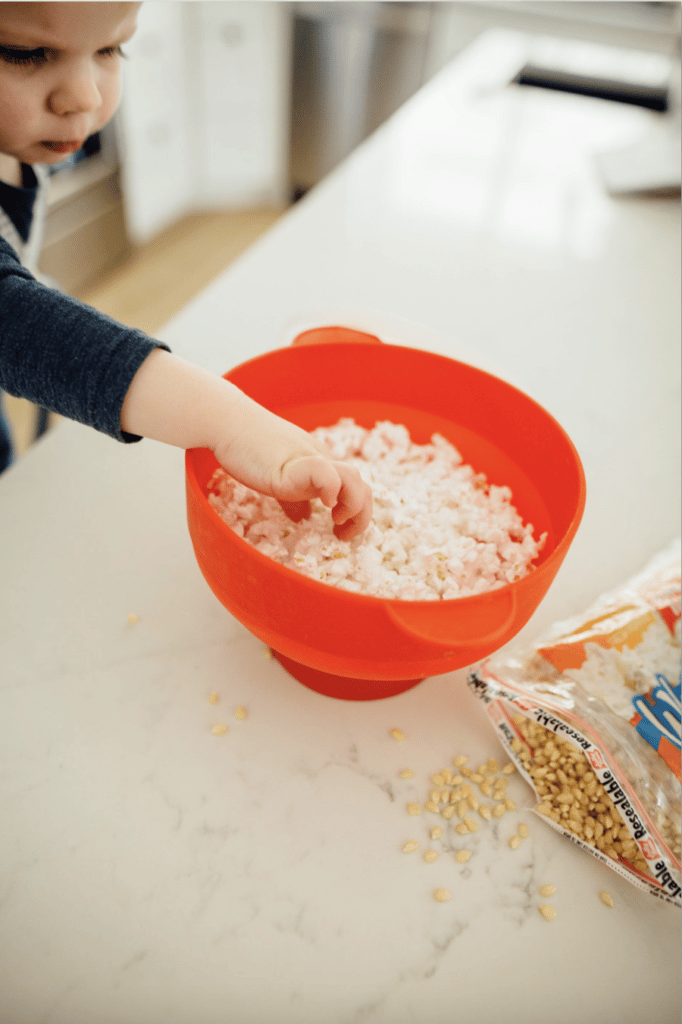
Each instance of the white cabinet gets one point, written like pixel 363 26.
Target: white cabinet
pixel 204 119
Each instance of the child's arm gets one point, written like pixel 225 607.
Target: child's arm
pixel 181 404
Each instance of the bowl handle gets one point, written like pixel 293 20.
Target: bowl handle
pixel 333 335
pixel 451 627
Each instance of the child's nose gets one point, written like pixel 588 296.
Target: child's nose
pixel 75 93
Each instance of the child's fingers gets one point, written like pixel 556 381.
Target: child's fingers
pixel 308 476
pixel 353 509
pixel 339 486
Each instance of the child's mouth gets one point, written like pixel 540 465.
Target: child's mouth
pixel 62 147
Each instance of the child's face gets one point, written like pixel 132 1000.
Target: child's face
pixel 59 74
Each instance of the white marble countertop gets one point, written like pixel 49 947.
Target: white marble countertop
pixel 154 873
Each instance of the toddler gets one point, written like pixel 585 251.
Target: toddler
pixel 59 84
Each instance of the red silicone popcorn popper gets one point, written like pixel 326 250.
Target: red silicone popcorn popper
pixel 365 648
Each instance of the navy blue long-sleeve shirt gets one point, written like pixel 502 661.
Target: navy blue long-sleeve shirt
pixel 56 351
pixel 62 354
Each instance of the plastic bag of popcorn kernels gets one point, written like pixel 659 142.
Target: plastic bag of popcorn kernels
pixel 590 715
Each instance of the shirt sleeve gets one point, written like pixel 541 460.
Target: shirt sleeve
pixel 62 354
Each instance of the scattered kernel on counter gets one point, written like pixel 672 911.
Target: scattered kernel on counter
pixel 267 653
pixel 442 895
pixel 413 808
pixel 438 779
pixel 448 811
pixel 605 898
pixel 485 812
pixel 430 856
pixel 471 824
pixel 509 804
pixel 132 618
pixel 460 760
pixel 547 890
pixel 436 832
pixel 240 713
pixel 410 846
pixel 219 729
pixel 499 810
pixel 432 806
pixel 462 856
pixel 461 829
pixel 509 768
pixel 398 734
pixel 213 698
pixel 407 774
pixel 515 842
pixel 524 831
pixel 549 913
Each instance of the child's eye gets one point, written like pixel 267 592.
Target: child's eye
pixel 15 55
pixel 111 51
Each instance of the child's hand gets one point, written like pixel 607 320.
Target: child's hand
pixel 181 404
pixel 277 458
pixel 339 486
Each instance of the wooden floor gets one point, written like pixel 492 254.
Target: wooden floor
pixel 157 280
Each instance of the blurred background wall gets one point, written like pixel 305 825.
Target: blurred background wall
pixel 239 105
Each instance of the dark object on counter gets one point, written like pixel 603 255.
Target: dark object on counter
pixel 636 94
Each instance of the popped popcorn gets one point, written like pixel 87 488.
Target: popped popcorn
pixel 439 530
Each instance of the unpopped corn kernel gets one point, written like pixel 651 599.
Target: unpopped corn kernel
pixel 549 913
pixel 213 698
pixel 413 808
pixel 410 846
pixel 398 734
pixel 442 895
pixel 462 856
pixel 219 729
pixel 407 774
pixel 240 713
pixel 605 898
pixel 430 856
pixel 132 618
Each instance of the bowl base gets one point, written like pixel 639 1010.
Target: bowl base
pixel 343 687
